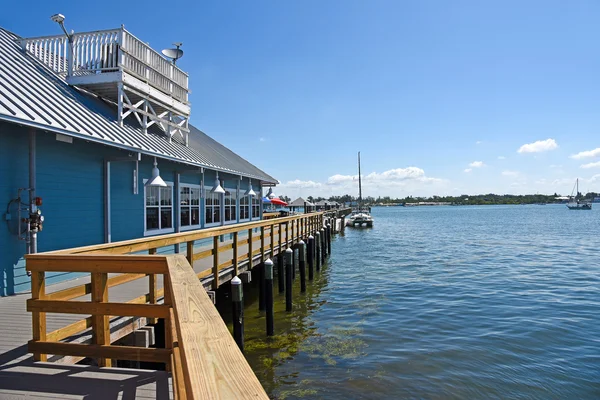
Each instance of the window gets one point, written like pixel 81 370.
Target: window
pixel 230 205
pixel 189 200
pixel 158 209
pixel 244 208
pixel 212 207
pixel 256 207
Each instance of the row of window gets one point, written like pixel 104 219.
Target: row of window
pixel 159 207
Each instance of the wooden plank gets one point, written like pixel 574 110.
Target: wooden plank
pixel 272 234
pixel 93 308
pixel 169 322
pixel 213 365
pixel 69 330
pixel 225 247
pixel 262 244
pixel 102 351
pixel 215 269
pixel 152 285
pixel 203 254
pixel 101 263
pixel 234 260
pixel 250 242
pixel 100 323
pixel 38 319
pixel 82 290
pixel 176 364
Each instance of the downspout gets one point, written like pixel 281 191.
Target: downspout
pixel 107 217
pixel 32 248
pixel 177 209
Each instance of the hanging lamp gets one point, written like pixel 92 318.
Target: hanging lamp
pixel 250 192
pixel 217 189
pixel 155 180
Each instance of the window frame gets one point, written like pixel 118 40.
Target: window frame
pixel 230 192
pixel 190 206
pixel 258 200
pixel 160 231
pixel 247 206
pixel 207 192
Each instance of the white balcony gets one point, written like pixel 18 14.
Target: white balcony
pixel 117 66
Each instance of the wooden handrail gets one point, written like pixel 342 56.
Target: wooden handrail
pixel 212 364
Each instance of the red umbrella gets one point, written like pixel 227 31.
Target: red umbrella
pixel 278 202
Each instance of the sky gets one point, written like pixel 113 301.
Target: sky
pixel 440 97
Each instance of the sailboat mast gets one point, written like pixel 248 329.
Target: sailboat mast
pixel 359 183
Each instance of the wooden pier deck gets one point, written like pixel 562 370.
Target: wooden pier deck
pixel 22 377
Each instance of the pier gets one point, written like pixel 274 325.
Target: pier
pixel 146 305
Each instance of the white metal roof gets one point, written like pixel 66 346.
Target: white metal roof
pixel 33 95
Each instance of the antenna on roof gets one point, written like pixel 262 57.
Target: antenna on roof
pixel 174 54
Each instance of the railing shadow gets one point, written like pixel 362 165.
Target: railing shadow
pixel 35 380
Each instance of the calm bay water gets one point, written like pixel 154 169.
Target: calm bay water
pixel 444 302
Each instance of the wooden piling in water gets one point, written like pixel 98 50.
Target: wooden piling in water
pixel 261 287
pixel 323 246
pixel 280 273
pixel 289 254
pixel 318 250
pixel 237 306
pixel 268 274
pixel 311 257
pixel 302 265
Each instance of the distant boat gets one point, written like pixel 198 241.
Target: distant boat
pixel 574 203
pixel 360 217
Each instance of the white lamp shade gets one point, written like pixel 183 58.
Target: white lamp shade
pixel 250 192
pixel 156 180
pixel 217 189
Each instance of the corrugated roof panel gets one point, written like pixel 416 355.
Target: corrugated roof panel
pixel 33 95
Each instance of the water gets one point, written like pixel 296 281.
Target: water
pixel 440 303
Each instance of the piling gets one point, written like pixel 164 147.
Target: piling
pixel 261 287
pixel 280 273
pixel 289 254
pixel 302 265
pixel 318 250
pixel 268 274
pixel 237 306
pixel 294 262
pixel 323 246
pixel 329 234
pixel 311 257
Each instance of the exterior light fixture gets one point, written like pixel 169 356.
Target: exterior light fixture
pixel 156 180
pixel 60 19
pixel 250 192
pixel 270 194
pixel 217 189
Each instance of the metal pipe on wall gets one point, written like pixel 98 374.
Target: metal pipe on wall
pixel 32 184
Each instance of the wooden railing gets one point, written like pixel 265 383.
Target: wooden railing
pixel 91 53
pixel 203 357
pixel 183 296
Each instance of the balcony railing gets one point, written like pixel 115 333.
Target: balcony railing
pixel 91 53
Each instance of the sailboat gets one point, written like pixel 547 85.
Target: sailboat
pixel 360 217
pixel 575 204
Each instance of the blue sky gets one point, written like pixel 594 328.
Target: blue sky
pixel 438 96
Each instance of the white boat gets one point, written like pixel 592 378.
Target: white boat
pixel 574 203
pixel 360 217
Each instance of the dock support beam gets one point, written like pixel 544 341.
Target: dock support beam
pixel 237 308
pixel 318 250
pixel 323 246
pixel 289 254
pixel 329 234
pixel 302 265
pixel 268 274
pixel 280 272
pixel 311 257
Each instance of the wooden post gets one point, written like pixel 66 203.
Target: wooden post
pixel 268 273
pixel 289 254
pixel 250 250
pixel 100 323
pixel 311 257
pixel 237 307
pixel 152 288
pixel 318 250
pixel 262 245
pixel 272 233
pixel 169 323
pixel 294 262
pixel 280 273
pixel 38 319
pixel 302 265
pixel 260 270
pixel 323 246
pixel 236 271
pixel 190 252
pixel 329 232
pixel 215 268
pixel 288 243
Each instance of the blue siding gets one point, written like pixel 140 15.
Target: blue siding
pixel 70 180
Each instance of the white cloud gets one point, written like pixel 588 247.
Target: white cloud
pixel 587 154
pixel 478 142
pixel 297 183
pixel 591 165
pixel 477 164
pixel 262 139
pixel 468 170
pixel 510 173
pixel 539 146
pixel 501 158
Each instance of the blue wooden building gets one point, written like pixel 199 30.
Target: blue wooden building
pixel 86 122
